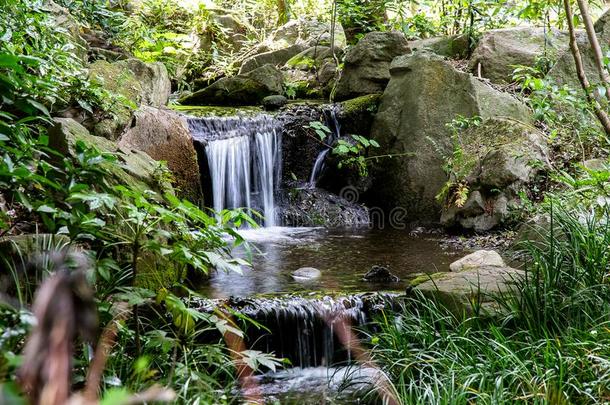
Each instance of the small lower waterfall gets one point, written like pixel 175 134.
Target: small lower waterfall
pixel 244 158
pixel 332 123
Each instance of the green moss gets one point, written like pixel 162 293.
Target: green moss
pixel 426 277
pixel 301 62
pixel 362 104
pixel 216 111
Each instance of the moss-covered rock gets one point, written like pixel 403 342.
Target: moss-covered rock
pixel 277 57
pixel 496 160
pixel 134 83
pixel 424 94
pixel 133 168
pixel 248 89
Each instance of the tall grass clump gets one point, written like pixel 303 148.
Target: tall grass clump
pixel 548 344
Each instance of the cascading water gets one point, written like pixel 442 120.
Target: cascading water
pixel 332 122
pixel 244 157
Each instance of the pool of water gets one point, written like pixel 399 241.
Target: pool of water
pixel 342 256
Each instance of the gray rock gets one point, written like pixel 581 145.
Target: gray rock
pixel 276 102
pixel 164 135
pixel 137 82
pixel 424 94
pixel 478 259
pixel 454 46
pixel 564 70
pixel 276 57
pixel 498 51
pixel 309 32
pixel 306 274
pixel 380 274
pixel 228 26
pixel 366 66
pixel 465 290
pixel 500 157
pixel 247 89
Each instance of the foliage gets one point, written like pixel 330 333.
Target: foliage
pixel 456 189
pixel 548 344
pixel 351 152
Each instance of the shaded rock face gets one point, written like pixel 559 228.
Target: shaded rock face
pixel 164 135
pixel 312 71
pixel 271 103
pixel 134 168
pixel 564 70
pixel 424 94
pixel 309 32
pixel 455 46
pixel 498 51
pixel 276 58
pixel 501 156
pixel 367 64
pixel 136 82
pixel 317 207
pixel 247 89
pixel 234 31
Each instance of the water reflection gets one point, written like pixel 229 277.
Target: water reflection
pixel 342 255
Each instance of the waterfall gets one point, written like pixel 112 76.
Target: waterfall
pixel 332 123
pixel 304 330
pixel 244 158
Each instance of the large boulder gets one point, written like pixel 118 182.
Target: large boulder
pixel 564 70
pixel 498 158
pixel 247 89
pixel 499 51
pixel 309 32
pixel 312 71
pixel 134 168
pixel 135 83
pixel 366 67
pixel 276 58
pixel 426 93
pixel 164 135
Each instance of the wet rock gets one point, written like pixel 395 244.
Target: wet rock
pixel 454 46
pixel 164 135
pixel 499 51
pixel 380 274
pixel 366 67
pixel 306 274
pixel 271 103
pixel 316 207
pixel 411 125
pixel 247 89
pixel 478 259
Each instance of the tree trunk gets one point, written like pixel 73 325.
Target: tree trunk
pixel 597 50
pixel 580 70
